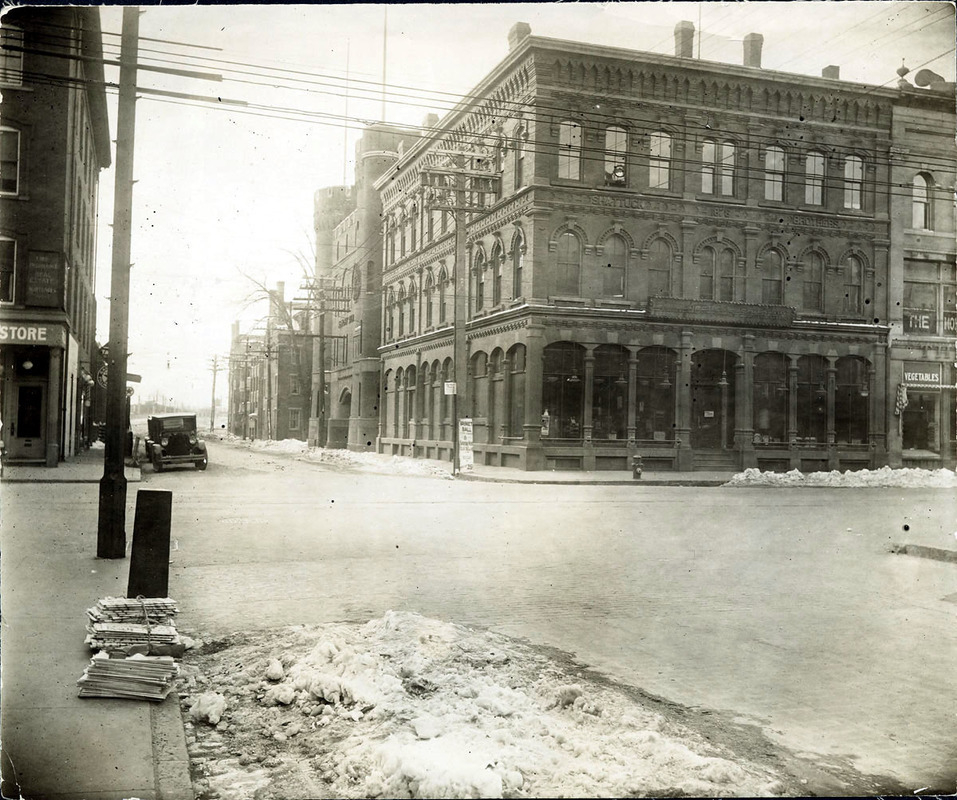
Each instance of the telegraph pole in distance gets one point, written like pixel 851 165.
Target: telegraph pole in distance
pixel 212 402
pixel 111 528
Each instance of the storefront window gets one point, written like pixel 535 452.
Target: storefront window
pixel 655 409
pixel 771 397
pixel 563 393
pixel 850 401
pixel 812 400
pixel 610 392
pixel 919 422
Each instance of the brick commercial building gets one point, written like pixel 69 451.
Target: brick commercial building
pixel 708 265
pixel 54 140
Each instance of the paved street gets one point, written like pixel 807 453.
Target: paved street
pixel 781 606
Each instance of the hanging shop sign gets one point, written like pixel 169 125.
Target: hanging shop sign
pixel 922 375
pixel 32 333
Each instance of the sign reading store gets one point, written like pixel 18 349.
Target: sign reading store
pixel 32 333
pixel 922 375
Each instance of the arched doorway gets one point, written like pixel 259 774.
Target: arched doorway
pixel 712 399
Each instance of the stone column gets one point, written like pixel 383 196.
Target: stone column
pixel 506 394
pixel 632 395
pixel 53 404
pixel 589 387
pixel 746 395
pixel 532 427
pixel 831 372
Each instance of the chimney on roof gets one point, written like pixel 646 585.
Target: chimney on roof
pixel 833 72
pixel 519 31
pixel 684 39
pixel 752 49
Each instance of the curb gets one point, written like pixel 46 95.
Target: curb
pixel 637 483
pixel 171 768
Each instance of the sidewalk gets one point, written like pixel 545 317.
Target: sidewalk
pixel 85 467
pixel 55 744
pixel 610 478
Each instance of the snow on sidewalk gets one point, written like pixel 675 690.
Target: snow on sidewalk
pixel 885 477
pixel 407 706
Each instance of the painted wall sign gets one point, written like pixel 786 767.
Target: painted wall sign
pixel 45 286
pixel 32 333
pixel 920 321
pixel 922 375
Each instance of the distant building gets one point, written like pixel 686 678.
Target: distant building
pixel 348 228
pixel 694 262
pixel 270 375
pixel 54 140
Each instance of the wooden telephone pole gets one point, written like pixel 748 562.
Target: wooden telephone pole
pixel 111 528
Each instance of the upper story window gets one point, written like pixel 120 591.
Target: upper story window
pixel 853 285
pixel 717 168
pixel 496 274
pixel 519 156
pixel 413 298
pixel 660 267
pixel 401 308
pixel 443 295
pixel 719 278
pixel 8 262
pixel 518 263
pixel 930 297
pixel 853 182
pixel 568 278
pixel 616 149
pixel 813 299
pixel 774 174
pixel 616 267
pixel 659 161
pixel 11 55
pixel 569 150
pixel 921 202
pixel 479 270
pixel 9 161
pixel 814 179
pixel 772 284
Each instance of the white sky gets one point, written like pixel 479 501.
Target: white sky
pixel 220 193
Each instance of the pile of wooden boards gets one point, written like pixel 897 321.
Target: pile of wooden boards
pixel 134 677
pixel 138 646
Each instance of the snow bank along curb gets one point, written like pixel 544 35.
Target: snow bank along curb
pixel 406 706
pixel 885 477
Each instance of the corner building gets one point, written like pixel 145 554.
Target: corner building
pixel 682 260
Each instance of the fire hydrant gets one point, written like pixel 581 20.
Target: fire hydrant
pixel 636 467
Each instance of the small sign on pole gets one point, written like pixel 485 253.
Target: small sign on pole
pixel 450 387
pixel 466 457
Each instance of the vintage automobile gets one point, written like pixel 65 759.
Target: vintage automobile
pixel 171 439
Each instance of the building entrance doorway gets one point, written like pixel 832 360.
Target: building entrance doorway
pixel 712 400
pixel 26 440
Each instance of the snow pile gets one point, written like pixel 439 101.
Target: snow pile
pixel 884 477
pixel 406 706
pixel 340 458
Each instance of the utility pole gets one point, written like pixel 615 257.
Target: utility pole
pixel 212 402
pixel 448 188
pixel 111 527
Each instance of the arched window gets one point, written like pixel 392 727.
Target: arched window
pixel 8 268
pixel 519 156
pixel 921 202
pixel 390 310
pixel 518 264
pixel 413 299
pixel 563 369
pixel 429 297
pixel 659 161
pixel 443 296
pixel 569 150
pixel 568 277
pixel 813 282
pixel 853 182
pixel 616 266
pixel 774 174
pixel 719 275
pixel 661 260
pixel 478 270
pixel 853 285
pixel 772 284
pixel 717 168
pixel 814 179
pixel 497 274
pixel 9 161
pixel 401 305
pixel 616 148
pixel 414 227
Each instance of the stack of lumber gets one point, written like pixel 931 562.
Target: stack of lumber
pixel 141 625
pixel 137 677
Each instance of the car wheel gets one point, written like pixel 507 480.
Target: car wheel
pixel 201 464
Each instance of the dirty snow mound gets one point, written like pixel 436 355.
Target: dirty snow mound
pixel 406 706
pixel 883 477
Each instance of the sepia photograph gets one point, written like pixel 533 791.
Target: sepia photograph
pixel 478 400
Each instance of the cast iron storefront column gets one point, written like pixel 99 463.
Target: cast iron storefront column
pixel 588 451
pixel 532 428
pixel 831 372
pixel 631 430
pixel 54 378
pixel 792 378
pixel 683 403
pixel 505 413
